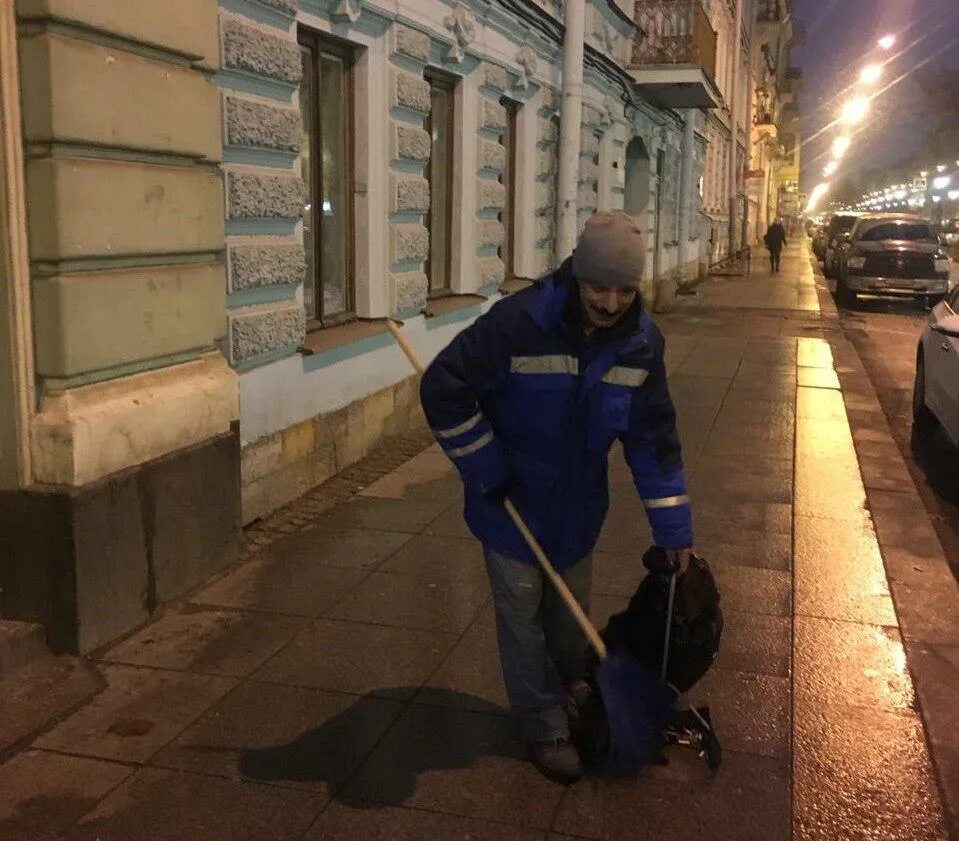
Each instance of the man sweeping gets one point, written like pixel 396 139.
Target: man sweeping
pixel 527 403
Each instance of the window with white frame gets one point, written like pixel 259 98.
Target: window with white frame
pixel 439 221
pixel 326 106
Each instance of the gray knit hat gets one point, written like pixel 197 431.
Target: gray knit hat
pixel 611 250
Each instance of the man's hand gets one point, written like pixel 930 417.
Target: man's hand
pixel 501 492
pixel 679 559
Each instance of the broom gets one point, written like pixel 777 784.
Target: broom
pixel 638 705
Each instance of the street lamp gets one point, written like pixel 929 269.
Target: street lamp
pixel 830 168
pixel 855 110
pixel 818 192
pixel 887 41
pixel 870 74
pixel 840 146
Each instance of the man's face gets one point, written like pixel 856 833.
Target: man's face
pixel 604 305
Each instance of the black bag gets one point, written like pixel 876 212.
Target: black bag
pixel 697 621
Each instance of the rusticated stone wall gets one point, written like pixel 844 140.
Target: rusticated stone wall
pixel 264 193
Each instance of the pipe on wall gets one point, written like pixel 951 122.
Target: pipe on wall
pixel 571 119
pixel 685 189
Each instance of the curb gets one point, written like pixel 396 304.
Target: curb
pixel 923 588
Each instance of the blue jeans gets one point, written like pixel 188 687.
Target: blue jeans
pixel 542 648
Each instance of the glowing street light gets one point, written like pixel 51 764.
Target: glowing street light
pixel 887 41
pixel 870 74
pixel 840 146
pixel 855 110
pixel 830 168
pixel 815 196
pixel 942 182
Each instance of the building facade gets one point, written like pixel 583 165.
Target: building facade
pixel 773 176
pixel 759 104
pixel 790 199
pixel 210 210
pixel 726 135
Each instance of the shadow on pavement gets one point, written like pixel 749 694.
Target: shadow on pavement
pixel 395 764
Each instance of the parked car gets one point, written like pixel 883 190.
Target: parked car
pixel 892 254
pixel 935 397
pixel 839 225
pixel 819 242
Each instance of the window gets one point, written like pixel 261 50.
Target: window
pixel 913 232
pixel 508 179
pixel 326 166
pixel 440 175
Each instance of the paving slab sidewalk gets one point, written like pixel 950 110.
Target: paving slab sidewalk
pixel 343 681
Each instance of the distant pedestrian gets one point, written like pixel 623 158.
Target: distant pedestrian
pixel 775 239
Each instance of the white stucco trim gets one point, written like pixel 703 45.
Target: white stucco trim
pixel 466 142
pixel 371 180
pixel 609 176
pixel 527 167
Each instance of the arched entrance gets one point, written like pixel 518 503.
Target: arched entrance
pixel 638 191
pixel 636 198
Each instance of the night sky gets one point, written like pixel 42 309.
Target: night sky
pixel 841 37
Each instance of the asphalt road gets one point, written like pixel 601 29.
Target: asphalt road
pixel 886 333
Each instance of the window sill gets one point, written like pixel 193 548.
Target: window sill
pixel 515 284
pixel 451 303
pixel 324 339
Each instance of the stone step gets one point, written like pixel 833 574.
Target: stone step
pixel 20 643
pixel 37 688
pixel 40 693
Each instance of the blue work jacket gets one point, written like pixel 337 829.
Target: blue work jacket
pixel 521 395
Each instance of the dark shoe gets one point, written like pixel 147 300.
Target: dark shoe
pixel 557 760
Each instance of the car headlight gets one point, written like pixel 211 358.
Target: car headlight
pixel 856 262
pixel 943 265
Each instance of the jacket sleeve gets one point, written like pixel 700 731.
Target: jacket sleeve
pixel 654 455
pixel 452 390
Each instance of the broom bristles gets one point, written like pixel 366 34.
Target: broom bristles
pixel 638 708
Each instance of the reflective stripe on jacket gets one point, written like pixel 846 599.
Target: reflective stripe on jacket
pixel 514 397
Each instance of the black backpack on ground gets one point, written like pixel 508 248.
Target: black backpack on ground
pixel 696 630
pixel 697 622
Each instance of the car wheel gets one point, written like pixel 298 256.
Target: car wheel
pixel 923 420
pixel 844 295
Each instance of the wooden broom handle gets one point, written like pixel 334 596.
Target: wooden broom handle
pixel 595 640
pixel 592 634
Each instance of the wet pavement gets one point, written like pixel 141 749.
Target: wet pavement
pixel 343 681
pixel 886 333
